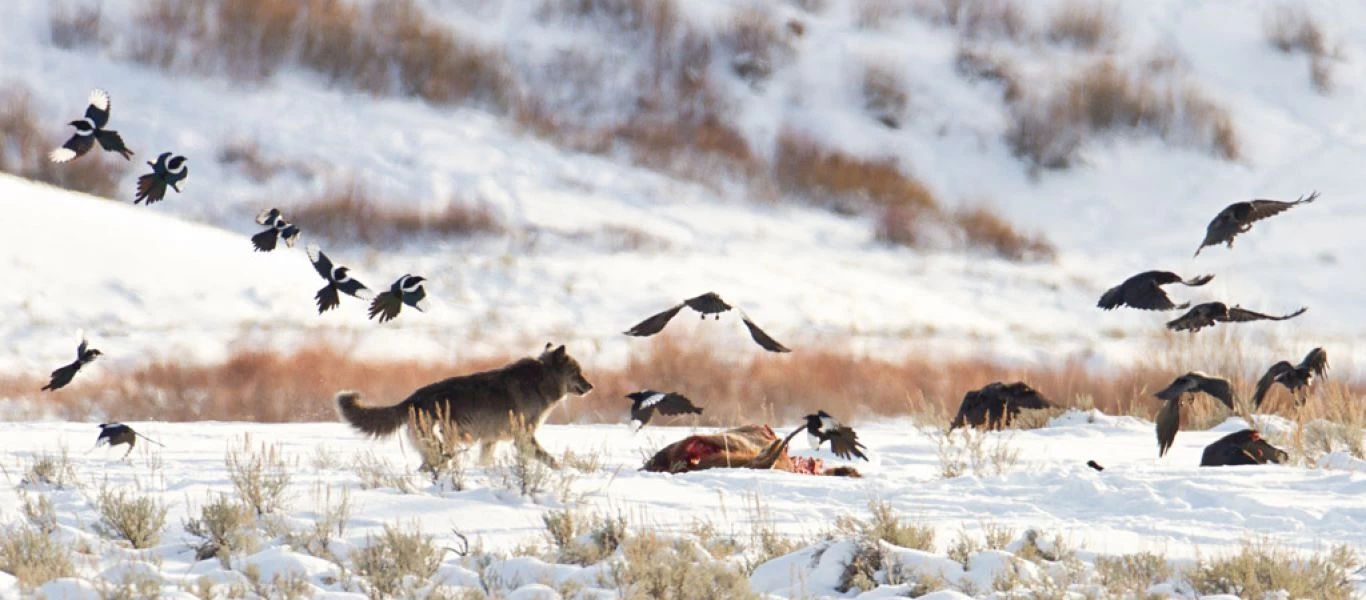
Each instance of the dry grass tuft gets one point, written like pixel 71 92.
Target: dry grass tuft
pixel 1130 575
pixel 247 156
pixel 655 567
pixel 224 527
pixel 886 525
pixel 828 177
pixel 580 539
pixel 261 476
pixel 983 228
pixel 757 44
pixel 1291 28
pixel 980 64
pixel 33 557
pixel 348 213
pixel 124 515
pixel 1261 568
pixel 1105 98
pixel 884 95
pixel 71 27
pixel 391 560
pixel 1086 25
pixel 979 19
pixel 24 144
pixel 51 471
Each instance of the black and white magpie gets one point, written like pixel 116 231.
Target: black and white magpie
pixel 113 434
pixel 62 375
pixel 338 280
pixel 821 428
pixel 645 403
pixel 90 130
pixel 168 170
pixel 706 304
pixel 280 229
pixel 406 290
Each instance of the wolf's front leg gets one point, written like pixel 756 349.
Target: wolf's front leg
pixel 544 456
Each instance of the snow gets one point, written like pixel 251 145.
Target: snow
pixel 1139 503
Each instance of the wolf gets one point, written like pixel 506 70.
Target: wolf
pixel 485 407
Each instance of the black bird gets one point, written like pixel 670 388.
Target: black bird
pixel 338 280
pixel 995 405
pixel 1144 291
pixel 1244 447
pixel 84 356
pixel 821 428
pixel 168 170
pixel 1094 465
pixel 90 130
pixel 1295 378
pixel 1238 218
pixel 280 229
pixel 706 304
pixel 406 290
pixel 113 434
pixel 1207 314
pixel 1169 418
pixel 645 403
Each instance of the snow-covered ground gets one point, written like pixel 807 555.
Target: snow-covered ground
pixel 1168 506
pixel 155 285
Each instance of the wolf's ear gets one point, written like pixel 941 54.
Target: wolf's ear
pixel 558 353
pixel 547 346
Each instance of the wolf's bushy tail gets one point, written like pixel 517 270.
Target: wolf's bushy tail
pixel 374 421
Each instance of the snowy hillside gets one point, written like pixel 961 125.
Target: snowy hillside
pixel 806 274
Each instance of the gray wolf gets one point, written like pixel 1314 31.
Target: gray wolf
pixel 485 407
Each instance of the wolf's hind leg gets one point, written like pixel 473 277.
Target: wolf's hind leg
pixel 542 455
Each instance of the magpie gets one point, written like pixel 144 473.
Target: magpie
pixel 821 428
pixel 338 280
pixel 645 403
pixel 1144 291
pixel 406 290
pixel 62 375
pixel 280 229
pixel 1295 378
pixel 90 130
pixel 168 170
pixel 706 304
pixel 1238 218
pixel 1206 315
pixel 113 434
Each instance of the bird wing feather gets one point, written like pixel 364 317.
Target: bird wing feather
pixel 761 338
pixel 1270 377
pixel 1316 362
pixel 655 323
pixel 1218 387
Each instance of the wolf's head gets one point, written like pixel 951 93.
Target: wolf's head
pixel 566 370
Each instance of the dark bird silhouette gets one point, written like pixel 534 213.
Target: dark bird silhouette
pixel 1168 419
pixel 1238 218
pixel 1244 447
pixel 338 280
pixel 279 229
pixel 62 375
pixel 1144 291
pixel 407 289
pixel 1295 378
pixel 1207 314
pixel 90 130
pixel 706 304
pixel 168 170
pixel 821 428
pixel 1094 465
pixel 997 404
pixel 645 403
pixel 113 434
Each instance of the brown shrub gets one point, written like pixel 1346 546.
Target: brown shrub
pixel 884 94
pixel 1291 28
pixel 347 213
pixel 830 177
pixel 757 44
pixel 75 27
pixel 1085 24
pixel 24 145
pixel 984 65
pixel 247 155
pixel 901 226
pixel 979 19
pixel 170 33
pixel 1105 98
pixel 983 228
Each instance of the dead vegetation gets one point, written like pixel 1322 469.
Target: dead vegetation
pixel 32 556
pixel 126 515
pixel 72 26
pixel 1084 24
pixel 978 19
pixel 349 213
pixel 984 228
pixel 1291 28
pixel 1263 568
pixel 25 141
pixel 392 562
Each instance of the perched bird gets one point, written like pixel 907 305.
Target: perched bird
pixel 1168 419
pixel 280 229
pixel 821 428
pixel 113 434
pixel 1207 314
pixel 1238 218
pixel 706 304
pixel 168 170
pixel 1244 447
pixel 997 404
pixel 406 290
pixel 1144 291
pixel 1295 378
pixel 645 403
pixel 84 356
pixel 90 130
pixel 338 280
pixel 1094 465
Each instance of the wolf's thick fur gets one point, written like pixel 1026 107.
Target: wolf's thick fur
pixel 486 407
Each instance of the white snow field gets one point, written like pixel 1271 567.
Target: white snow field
pixel 1169 507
